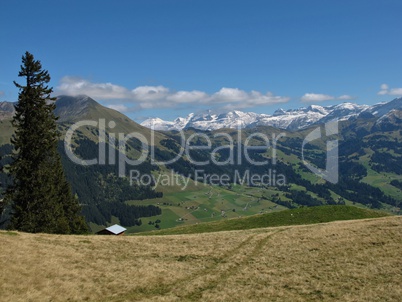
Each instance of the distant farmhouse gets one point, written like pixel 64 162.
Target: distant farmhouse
pixel 116 230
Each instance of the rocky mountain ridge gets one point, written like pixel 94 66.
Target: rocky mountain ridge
pixel 292 119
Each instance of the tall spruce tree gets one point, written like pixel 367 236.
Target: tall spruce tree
pixel 41 198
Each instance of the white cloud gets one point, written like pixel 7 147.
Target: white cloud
pixel 345 97
pixel 395 91
pixel 386 90
pixel 1 93
pixel 149 93
pixel 119 107
pixel 229 95
pixel 241 99
pixel 76 86
pixel 316 97
pixel 187 96
pixel 148 97
pixel 384 87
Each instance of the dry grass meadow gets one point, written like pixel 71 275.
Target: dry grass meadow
pixel 358 260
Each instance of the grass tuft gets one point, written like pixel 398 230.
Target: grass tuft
pixel 8 233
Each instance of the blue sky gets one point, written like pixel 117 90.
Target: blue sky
pixel 169 58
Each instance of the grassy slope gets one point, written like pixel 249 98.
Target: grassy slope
pixel 123 123
pixel 209 201
pixel 355 260
pixel 297 216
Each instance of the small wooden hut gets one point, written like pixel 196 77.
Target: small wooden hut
pixel 116 230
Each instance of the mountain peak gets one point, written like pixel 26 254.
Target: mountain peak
pixel 381 109
pixel 81 99
pixel 69 108
pixel 316 108
pixel 279 111
pixel 292 119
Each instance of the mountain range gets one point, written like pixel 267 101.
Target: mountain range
pixel 292 119
pixel 75 108
pixel 370 149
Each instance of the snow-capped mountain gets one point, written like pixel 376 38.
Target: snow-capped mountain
pixel 73 108
pixel 292 119
pixel 206 120
pixel 159 124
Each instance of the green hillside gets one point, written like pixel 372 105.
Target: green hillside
pixel 369 171
pixel 101 192
pixel 310 215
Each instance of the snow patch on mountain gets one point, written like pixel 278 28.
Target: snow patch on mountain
pixel 292 119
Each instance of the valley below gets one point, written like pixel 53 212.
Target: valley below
pixel 180 191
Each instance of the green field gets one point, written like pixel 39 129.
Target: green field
pixel 206 204
pixel 305 215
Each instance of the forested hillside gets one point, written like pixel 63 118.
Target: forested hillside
pixel 369 169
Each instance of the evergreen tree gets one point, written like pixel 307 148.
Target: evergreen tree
pixel 41 197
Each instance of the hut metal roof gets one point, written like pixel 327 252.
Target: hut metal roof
pixel 116 229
